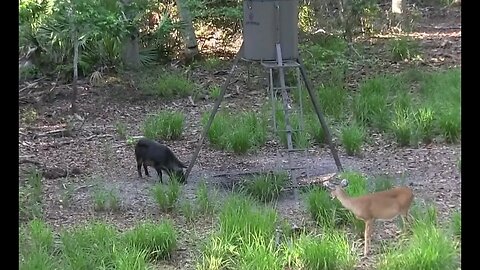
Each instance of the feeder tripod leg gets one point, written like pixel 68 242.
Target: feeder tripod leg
pixel 316 106
pixel 214 111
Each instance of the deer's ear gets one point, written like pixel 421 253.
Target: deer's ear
pixel 328 185
pixel 344 183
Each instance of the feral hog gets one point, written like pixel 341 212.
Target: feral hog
pixel 159 156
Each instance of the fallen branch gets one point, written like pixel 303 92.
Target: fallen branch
pixel 62 132
pixel 29 85
pixel 99 136
pixel 85 186
pixel 25 160
pixel 55 145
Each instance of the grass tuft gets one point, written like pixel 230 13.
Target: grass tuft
pixel 164 125
pixel 165 84
pixel 403 127
pixel 266 187
pixel 333 100
pixel 166 195
pixel 403 48
pixel 314 128
pixel 244 229
pixel 237 133
pixel 95 245
pixel 352 138
pixel 332 250
pixel 370 105
pixel 158 240
pixel 30 196
pixel 428 248
pixel 425 120
pixel 456 220
pixel 382 182
pixel 106 199
pixel 321 207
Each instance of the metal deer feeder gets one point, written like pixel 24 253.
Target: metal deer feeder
pixel 270 37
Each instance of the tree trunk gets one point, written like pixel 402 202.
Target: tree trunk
pixel 131 49
pixel 75 72
pixel 399 14
pixel 346 19
pixel 75 42
pixel 187 30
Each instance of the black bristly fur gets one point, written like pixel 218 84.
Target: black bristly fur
pixel 160 157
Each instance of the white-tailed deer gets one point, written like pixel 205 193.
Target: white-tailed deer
pixel 383 205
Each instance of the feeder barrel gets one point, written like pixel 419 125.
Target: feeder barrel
pixel 259 29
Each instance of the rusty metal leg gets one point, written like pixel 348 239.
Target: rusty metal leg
pixel 316 106
pixel 214 111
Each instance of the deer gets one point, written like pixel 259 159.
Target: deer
pixel 383 205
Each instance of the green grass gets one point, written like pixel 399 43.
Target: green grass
pixel 322 52
pixel 95 245
pixel 203 205
pixel 121 129
pixel 265 187
pixel 205 199
pixel 331 250
pixel 30 196
pixel 164 84
pixel 106 199
pixel 352 138
pixel 300 136
pixel 166 195
pixel 237 133
pixel 165 125
pixel 322 209
pixel 259 254
pixel 244 221
pixel 333 101
pixel 425 121
pixel 244 228
pixel 214 91
pixel 450 124
pixel 36 246
pixel 314 128
pixel 382 182
pixel 85 247
pixel 370 105
pixel 456 221
pixel 212 63
pixel 441 92
pixel 158 240
pixel 429 247
pixel 404 127
pixel 413 106
pixel 187 209
pixel 357 183
pixel 424 213
pixel 403 48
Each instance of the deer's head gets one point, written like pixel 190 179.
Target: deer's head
pixel 336 188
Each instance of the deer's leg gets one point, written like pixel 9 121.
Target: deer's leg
pixel 368 235
pixel 405 219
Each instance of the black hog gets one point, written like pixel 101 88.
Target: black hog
pixel 159 156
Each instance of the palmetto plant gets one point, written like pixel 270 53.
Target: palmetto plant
pixel 99 26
